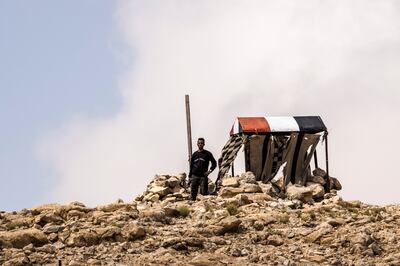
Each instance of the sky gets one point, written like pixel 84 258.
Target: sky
pixel 92 92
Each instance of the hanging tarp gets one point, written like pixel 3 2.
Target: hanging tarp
pixel 280 151
pixel 255 153
pixel 305 151
pixel 228 154
pixel 262 125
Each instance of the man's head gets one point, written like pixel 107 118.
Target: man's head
pixel 200 143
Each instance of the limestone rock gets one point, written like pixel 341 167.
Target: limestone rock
pixel 230 182
pixel 316 179
pixel 248 177
pixel 172 182
pixel 320 231
pixel 252 188
pixel 133 232
pixel 319 172
pixel 51 228
pixel 304 194
pixel 151 197
pixel 229 225
pixel 226 192
pixel 259 197
pixel 22 238
pixel 116 206
pixel 317 190
pixel 161 191
pixel 275 240
pixel 83 238
pixel 334 183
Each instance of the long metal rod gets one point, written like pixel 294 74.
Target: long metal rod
pixel 326 155
pixel 188 127
pixel 328 183
pixel 233 169
pixel 315 159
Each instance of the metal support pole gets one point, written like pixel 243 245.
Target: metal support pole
pixel 188 127
pixel 327 185
pixel 326 155
pixel 315 159
pixel 233 170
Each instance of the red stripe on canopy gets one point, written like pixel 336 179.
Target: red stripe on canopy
pixel 253 124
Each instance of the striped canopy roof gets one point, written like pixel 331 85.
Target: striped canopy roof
pixel 259 125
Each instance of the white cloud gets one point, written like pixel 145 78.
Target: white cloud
pixel 337 59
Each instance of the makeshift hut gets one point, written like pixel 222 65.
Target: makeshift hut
pixel 274 142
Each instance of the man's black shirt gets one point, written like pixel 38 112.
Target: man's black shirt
pixel 200 161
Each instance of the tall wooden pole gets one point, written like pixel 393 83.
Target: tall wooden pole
pixel 188 127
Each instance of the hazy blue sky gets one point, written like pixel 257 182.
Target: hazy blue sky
pixel 57 60
pixel 92 92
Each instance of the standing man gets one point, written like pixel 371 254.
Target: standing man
pixel 199 172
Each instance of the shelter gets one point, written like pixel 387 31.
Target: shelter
pixel 273 142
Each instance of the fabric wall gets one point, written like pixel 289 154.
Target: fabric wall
pixel 306 150
pixel 256 154
pixel 229 153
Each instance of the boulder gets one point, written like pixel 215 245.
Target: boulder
pixel 115 207
pixel 248 177
pixel 296 192
pixel 83 238
pixel 275 240
pixel 229 224
pixel 263 218
pixel 22 238
pixel 109 233
pixel 207 259
pixel 151 197
pixel 52 228
pixel 75 213
pixel 318 232
pixel 49 217
pixel 153 214
pixel 227 192
pixel 133 232
pixel 211 185
pixel 334 183
pixel 161 191
pixel 172 182
pixel 319 172
pixel 316 179
pixel 171 212
pixel 259 197
pixel 252 188
pixel 317 190
pixel 230 182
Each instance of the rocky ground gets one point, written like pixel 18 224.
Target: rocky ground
pixel 248 223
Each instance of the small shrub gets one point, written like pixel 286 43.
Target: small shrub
pixel 283 218
pixel 183 211
pixel 375 213
pixel 313 216
pixel 272 231
pixel 15 224
pixel 232 209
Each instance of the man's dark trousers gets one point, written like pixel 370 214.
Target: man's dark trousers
pixel 196 181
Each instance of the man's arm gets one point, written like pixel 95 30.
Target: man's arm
pixel 213 162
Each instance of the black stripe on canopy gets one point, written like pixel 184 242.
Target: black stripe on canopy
pixel 312 124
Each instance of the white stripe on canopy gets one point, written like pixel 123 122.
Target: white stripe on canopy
pixel 282 123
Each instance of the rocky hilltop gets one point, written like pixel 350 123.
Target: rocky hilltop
pixel 248 223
